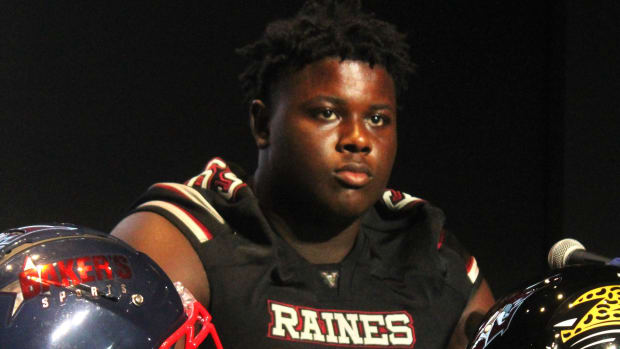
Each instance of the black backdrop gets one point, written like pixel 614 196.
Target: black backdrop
pixel 509 126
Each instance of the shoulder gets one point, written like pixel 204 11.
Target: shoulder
pixel 173 222
pixel 423 223
pixel 400 215
pixel 154 235
pixel 419 228
pixel 197 208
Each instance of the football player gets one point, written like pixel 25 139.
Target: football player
pixel 313 249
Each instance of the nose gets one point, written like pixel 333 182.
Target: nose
pixel 354 137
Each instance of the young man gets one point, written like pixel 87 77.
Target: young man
pixel 312 250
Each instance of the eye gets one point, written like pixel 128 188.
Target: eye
pixel 326 114
pixel 378 120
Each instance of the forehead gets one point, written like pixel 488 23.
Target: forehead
pixel 348 79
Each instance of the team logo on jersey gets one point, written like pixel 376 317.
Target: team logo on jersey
pixel 218 176
pixel 605 311
pixel 397 200
pixel 330 278
pixel 341 328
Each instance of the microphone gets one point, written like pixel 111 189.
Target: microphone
pixel 569 251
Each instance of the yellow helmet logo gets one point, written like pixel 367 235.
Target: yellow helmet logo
pixel 606 312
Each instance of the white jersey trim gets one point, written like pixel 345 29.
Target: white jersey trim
pixel 473 271
pixel 194 196
pixel 200 232
pixel 406 200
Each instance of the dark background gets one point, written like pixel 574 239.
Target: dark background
pixel 510 124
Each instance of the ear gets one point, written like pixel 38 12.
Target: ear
pixel 259 123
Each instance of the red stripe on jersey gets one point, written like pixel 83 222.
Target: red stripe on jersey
pixel 396 195
pixel 204 229
pixel 470 264
pixel 198 181
pixel 442 238
pixel 200 225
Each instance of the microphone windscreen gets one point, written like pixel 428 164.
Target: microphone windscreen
pixel 559 252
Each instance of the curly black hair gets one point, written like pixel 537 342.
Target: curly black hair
pixel 324 28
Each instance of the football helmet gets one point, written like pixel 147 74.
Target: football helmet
pixel 576 307
pixel 64 286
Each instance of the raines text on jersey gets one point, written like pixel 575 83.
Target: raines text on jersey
pixel 340 327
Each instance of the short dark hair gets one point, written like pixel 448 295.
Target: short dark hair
pixel 324 28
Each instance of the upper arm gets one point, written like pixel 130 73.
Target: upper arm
pixel 478 305
pixel 154 235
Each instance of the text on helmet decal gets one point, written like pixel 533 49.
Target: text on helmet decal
pixel 35 279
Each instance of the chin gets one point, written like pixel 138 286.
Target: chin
pixel 351 207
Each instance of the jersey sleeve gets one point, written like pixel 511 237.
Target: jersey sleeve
pixel 457 256
pixel 398 210
pixel 187 208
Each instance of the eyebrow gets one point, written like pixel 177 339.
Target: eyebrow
pixel 341 102
pixel 381 107
pixel 322 98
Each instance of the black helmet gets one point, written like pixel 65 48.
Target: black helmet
pixel 575 308
pixel 63 286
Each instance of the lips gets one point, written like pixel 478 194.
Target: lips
pixel 353 175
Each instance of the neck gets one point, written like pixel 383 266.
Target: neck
pixel 318 236
pixel 332 250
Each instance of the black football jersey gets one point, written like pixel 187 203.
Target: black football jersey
pixel 404 284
